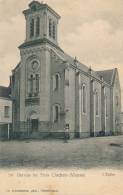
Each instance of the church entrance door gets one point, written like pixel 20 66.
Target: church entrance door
pixel 34 124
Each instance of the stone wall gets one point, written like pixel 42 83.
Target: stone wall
pixel 57 96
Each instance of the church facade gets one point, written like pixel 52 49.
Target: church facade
pixel 50 89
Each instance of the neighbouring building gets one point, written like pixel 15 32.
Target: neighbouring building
pixel 51 89
pixel 5 112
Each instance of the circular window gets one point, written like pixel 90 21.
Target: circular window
pixel 35 65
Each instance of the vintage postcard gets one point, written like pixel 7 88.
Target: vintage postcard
pixel 61 119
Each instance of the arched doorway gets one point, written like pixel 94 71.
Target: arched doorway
pixel 34 122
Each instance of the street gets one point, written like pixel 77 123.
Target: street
pixel 106 152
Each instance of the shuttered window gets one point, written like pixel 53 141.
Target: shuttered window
pixel 6 111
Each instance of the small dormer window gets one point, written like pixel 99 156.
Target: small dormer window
pixel 33 7
pixel 32 28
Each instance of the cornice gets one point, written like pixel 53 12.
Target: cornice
pixel 37 43
pixel 41 6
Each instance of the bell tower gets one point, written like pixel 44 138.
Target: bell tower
pixel 35 65
pixel 41 23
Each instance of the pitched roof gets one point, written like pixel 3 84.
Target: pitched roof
pixel 16 67
pixel 107 75
pixel 5 92
pixel 71 60
pixel 80 65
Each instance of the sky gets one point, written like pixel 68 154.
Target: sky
pixel 91 30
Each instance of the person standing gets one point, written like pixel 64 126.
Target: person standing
pixel 66 133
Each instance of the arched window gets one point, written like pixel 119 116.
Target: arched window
pixel 37 83
pixel 56 111
pixel 105 102
pixel 97 103
pixel 54 30
pixel 31 80
pixel 37 26
pixel 50 28
pixel 33 76
pixel 106 106
pixel 84 98
pixel 56 82
pixel 117 100
pixel 33 88
pixel 32 28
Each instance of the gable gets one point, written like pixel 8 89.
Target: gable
pixel 116 81
pixel 107 75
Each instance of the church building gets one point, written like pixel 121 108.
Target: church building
pixel 50 89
